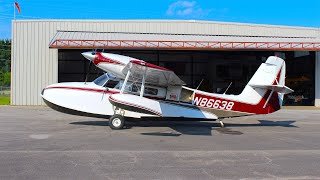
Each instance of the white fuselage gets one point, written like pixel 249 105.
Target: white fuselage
pixel 93 99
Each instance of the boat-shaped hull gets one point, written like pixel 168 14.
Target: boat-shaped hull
pixel 84 99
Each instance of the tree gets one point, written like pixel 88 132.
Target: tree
pixel 5 78
pixel 5 62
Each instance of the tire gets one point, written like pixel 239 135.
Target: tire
pixel 116 122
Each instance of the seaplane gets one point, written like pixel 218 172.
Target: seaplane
pixel 133 88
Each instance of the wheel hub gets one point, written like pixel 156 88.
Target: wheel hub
pixel 116 122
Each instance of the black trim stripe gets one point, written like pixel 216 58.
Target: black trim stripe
pixel 133 107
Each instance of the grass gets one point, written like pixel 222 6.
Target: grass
pixel 4 99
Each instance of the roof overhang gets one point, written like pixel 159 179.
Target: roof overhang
pixel 122 40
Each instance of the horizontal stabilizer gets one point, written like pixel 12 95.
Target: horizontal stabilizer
pixel 277 88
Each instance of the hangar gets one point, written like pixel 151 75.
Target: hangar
pixel 49 51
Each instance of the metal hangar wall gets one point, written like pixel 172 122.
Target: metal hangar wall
pixel 193 43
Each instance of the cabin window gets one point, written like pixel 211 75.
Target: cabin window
pixel 133 88
pixel 150 91
pixel 186 95
pixel 130 87
pixel 111 83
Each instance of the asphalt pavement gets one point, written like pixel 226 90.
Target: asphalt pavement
pixel 39 143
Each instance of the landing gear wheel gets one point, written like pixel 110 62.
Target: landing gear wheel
pixel 116 122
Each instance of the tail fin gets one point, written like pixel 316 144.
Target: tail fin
pixel 267 86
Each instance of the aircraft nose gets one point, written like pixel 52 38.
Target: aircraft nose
pixel 89 55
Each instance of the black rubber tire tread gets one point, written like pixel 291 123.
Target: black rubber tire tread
pixel 122 122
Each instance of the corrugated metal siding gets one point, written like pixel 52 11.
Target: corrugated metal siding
pixel 35 66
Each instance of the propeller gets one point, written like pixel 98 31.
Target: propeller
pixel 94 51
pixel 88 72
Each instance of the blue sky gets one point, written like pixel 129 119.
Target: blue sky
pixel 277 12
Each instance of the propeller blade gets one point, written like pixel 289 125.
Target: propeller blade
pixel 88 72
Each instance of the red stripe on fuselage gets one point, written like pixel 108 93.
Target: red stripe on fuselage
pixel 84 89
pixel 98 91
pixel 272 106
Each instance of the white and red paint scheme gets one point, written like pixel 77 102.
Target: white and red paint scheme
pixel 163 93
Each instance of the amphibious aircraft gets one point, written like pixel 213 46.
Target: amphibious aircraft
pixel 135 88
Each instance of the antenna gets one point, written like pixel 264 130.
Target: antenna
pixel 199 84
pixel 227 88
pixel 194 92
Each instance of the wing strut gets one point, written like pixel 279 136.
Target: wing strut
pixel 265 104
pixel 143 82
pixel 125 82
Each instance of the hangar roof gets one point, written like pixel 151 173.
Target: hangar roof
pixel 127 40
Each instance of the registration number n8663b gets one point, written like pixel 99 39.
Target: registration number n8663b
pixel 212 103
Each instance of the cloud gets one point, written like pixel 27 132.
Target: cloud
pixel 187 9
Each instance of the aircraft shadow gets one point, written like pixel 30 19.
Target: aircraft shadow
pixel 288 123
pixel 192 127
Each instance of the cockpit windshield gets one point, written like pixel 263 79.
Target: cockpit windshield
pixel 106 80
pixel 101 81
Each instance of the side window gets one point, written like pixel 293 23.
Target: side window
pixel 130 87
pixel 151 91
pixel 134 88
pixel 111 84
pixel 119 85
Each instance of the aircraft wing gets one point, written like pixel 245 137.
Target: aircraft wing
pixel 154 74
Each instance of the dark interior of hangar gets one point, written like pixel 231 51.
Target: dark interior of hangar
pixel 218 69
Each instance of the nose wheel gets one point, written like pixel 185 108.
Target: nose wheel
pixel 116 122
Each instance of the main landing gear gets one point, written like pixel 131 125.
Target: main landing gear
pixel 116 122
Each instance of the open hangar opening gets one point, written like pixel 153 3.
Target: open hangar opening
pixel 216 69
